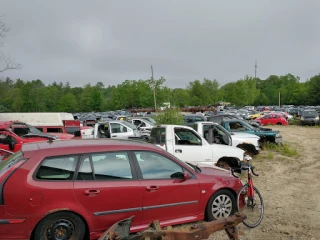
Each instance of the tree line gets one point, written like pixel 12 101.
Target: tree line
pixel 35 96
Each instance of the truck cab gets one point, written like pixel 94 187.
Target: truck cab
pixel 215 133
pixel 115 129
pixel 142 124
pixel 188 145
pixel 50 123
pixel 13 134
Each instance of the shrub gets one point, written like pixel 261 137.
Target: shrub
pixel 283 149
pixel 170 116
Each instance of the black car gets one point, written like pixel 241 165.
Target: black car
pixel 309 117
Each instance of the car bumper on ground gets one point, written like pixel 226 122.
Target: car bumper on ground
pixel 278 139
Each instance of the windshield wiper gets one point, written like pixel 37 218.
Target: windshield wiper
pixel 195 167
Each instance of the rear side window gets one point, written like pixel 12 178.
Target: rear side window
pixel 105 166
pixel 57 168
pixel 10 161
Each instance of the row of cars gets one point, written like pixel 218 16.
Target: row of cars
pixel 308 115
pixel 53 189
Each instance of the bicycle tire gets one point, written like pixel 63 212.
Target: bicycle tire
pixel 247 209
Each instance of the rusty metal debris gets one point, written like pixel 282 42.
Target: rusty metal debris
pixel 121 230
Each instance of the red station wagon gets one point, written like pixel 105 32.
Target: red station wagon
pixel 77 189
pixel 272 119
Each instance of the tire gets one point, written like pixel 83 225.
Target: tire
pixel 252 220
pixel 69 225
pixel 228 162
pixel 279 123
pixel 223 164
pixel 214 210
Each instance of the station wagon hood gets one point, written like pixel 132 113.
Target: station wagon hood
pixel 213 170
pixel 31 136
pixel 64 136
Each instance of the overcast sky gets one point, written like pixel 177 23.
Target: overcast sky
pixel 83 41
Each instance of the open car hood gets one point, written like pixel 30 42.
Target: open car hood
pixel 47 136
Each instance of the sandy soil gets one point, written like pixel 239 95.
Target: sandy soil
pixel 290 188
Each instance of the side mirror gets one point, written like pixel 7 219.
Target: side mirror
pixel 11 145
pixel 186 176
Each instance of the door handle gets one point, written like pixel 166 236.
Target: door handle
pixel 152 188
pixel 114 136
pixel 91 192
pixel 178 151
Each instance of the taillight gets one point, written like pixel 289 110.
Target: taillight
pixel 4 176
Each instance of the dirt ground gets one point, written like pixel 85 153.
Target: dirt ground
pixel 290 188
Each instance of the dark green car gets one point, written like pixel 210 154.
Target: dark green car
pixel 265 134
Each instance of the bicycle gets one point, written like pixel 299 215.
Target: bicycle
pixel 249 198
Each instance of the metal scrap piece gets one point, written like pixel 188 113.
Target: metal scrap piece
pixel 121 230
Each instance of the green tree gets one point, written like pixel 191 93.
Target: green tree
pixel 68 103
pixel 313 90
pixel 170 116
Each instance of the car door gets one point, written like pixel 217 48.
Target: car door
pixel 274 118
pixel 277 119
pixel 136 122
pixel 166 196
pixel 118 130
pixel 9 141
pixel 190 147
pixel 107 187
pixel 266 120
pixel 220 136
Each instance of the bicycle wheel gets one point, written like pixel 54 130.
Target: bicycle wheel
pixel 252 208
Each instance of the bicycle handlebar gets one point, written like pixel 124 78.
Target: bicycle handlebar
pixel 244 166
pixel 232 172
pixel 252 170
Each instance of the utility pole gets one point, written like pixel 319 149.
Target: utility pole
pixel 279 100
pixel 154 90
pixel 255 69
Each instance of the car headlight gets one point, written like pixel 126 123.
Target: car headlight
pixel 302 118
pixel 278 135
pixel 317 118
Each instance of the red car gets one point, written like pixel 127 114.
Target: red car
pixel 13 134
pixel 272 119
pixel 77 189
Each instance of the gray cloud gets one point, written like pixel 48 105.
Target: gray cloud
pixel 110 41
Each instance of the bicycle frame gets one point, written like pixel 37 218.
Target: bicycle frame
pixel 251 186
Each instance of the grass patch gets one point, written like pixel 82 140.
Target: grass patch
pixel 270 155
pixel 283 149
pixel 294 122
